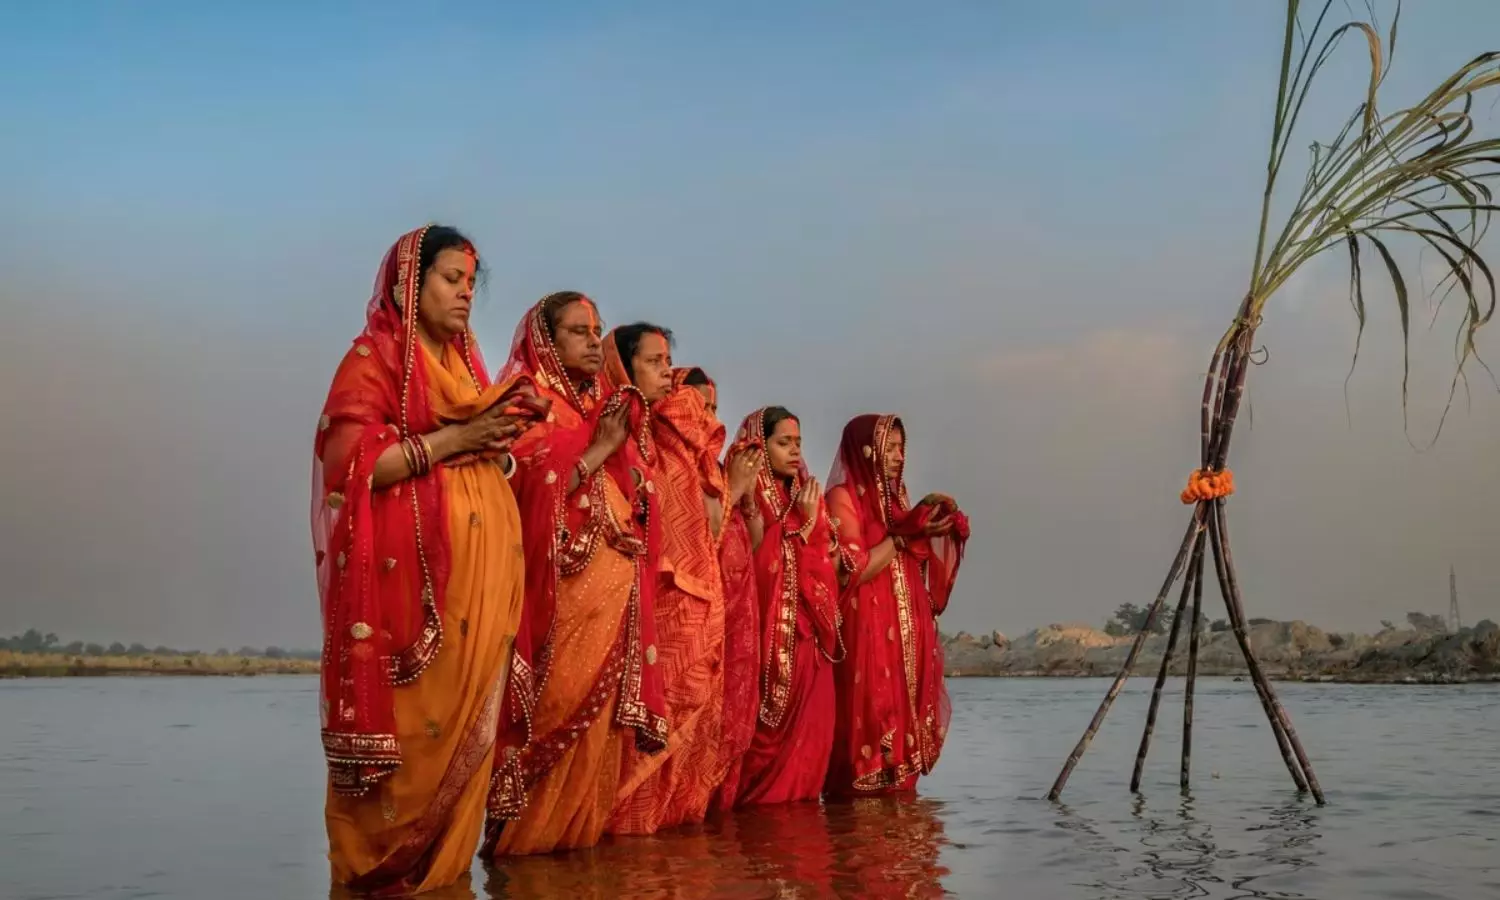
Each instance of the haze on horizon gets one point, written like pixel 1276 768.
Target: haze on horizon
pixel 1021 226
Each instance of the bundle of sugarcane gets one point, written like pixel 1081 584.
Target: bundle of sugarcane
pixel 1420 175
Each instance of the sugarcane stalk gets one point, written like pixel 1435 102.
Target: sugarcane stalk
pixel 1192 673
pixel 1238 626
pixel 1272 704
pixel 1166 663
pixel 1194 528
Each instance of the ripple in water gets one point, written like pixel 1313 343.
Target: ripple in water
pixel 107 795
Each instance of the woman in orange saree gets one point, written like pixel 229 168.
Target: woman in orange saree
pixel 788 757
pixel 416 536
pixel 898 564
pixel 674 787
pixel 585 683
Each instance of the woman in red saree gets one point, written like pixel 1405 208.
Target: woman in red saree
pixel 897 563
pixel 585 684
pixel 794 571
pixel 742 635
pixel 674 787
pixel 417 538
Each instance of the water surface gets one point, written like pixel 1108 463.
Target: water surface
pixel 212 788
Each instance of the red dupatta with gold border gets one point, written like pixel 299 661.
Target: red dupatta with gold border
pixel 794 575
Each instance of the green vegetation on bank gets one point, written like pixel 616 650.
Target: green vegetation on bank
pixel 34 654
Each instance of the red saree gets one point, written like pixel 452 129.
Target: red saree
pixel 787 759
pixel 741 706
pixel 406 728
pixel 893 707
pixel 585 675
pixel 674 787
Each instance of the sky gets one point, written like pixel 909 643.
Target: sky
pixel 1021 226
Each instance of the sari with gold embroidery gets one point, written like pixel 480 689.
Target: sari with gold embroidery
pixel 674 787
pixel 787 759
pixel 421 586
pixel 893 707
pixel 585 684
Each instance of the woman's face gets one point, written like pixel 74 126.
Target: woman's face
pixel 447 293
pixel 652 367
pixel 710 398
pixel 784 448
pixel 579 338
pixel 895 454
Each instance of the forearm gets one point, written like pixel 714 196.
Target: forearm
pixel 715 514
pixel 880 557
pixel 592 459
pixel 756 525
pixel 393 464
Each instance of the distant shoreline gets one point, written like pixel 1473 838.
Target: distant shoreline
pixel 14 664
pixel 1287 651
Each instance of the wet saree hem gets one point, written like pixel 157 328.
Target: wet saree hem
pixel 402 871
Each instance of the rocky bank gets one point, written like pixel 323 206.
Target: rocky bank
pixel 1286 650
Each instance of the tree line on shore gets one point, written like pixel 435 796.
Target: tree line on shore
pixel 35 641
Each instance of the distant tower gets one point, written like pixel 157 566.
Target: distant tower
pixel 1454 623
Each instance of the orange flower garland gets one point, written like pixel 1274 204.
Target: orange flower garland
pixel 1208 486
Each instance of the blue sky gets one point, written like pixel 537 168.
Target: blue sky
pixel 951 210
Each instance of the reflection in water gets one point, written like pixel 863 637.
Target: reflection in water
pixel 870 848
pixel 1176 856
pixel 1413 817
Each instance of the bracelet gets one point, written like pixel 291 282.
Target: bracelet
pixel 418 455
pixel 507 466
pixel 582 466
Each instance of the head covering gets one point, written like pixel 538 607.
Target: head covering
pixel 615 373
pixel 534 353
pixel 862 463
pixel 778 496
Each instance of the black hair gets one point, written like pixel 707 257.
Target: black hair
pixel 443 237
pixel 696 377
pixel 552 306
pixel 773 416
pixel 628 340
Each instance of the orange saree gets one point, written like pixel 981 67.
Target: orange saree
pixel 422 592
pixel 674 787
pixel 584 684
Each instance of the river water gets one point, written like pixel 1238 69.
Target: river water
pixel 213 788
